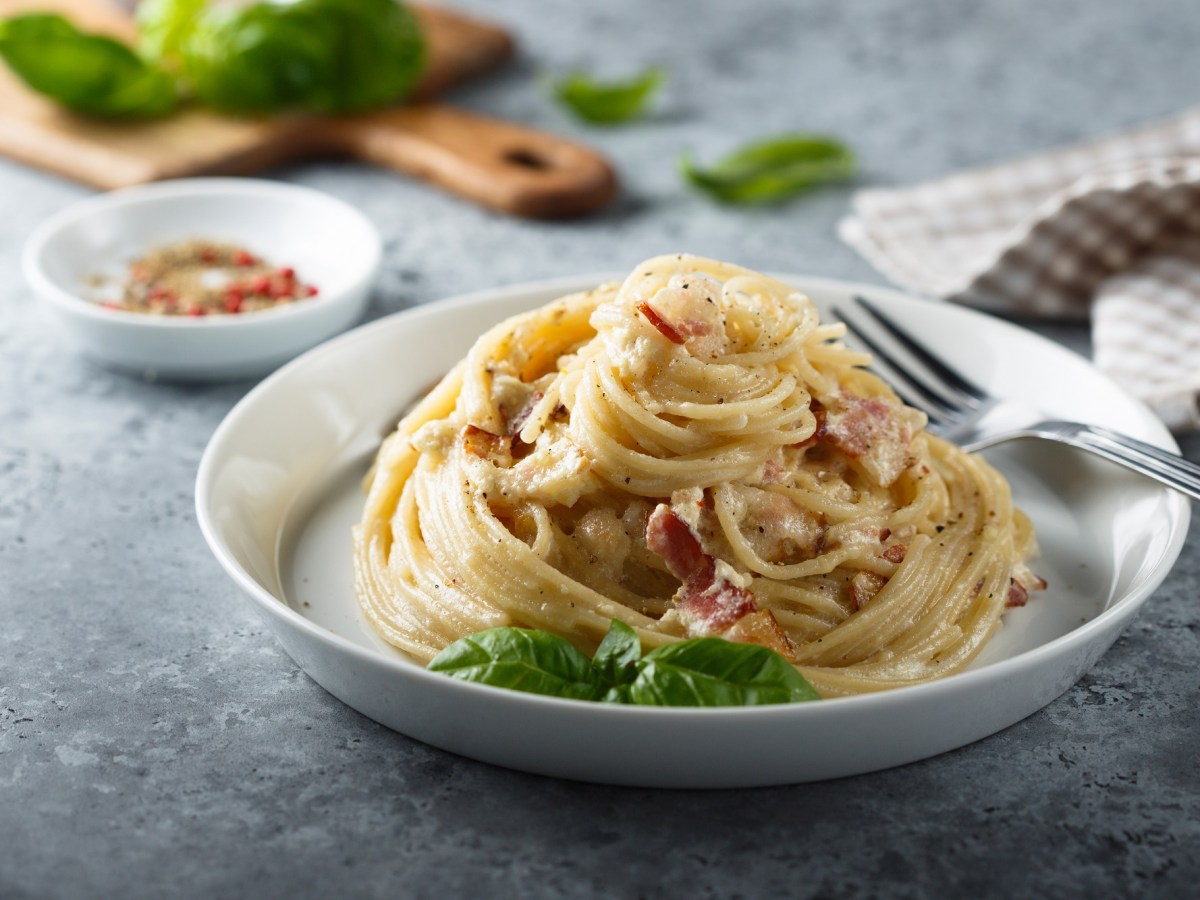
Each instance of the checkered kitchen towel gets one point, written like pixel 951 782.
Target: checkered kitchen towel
pixel 1110 228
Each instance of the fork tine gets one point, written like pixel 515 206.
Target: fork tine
pixel 911 390
pixel 949 376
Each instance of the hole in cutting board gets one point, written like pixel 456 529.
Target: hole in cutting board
pixel 527 159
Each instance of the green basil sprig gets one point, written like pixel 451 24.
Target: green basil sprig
pixel 325 56
pixel 608 103
pixel 696 672
pixel 772 170
pixel 89 73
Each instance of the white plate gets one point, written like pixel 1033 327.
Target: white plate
pixel 278 491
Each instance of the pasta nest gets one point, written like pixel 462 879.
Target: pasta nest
pixel 690 451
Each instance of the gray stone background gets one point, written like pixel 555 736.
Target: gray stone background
pixel 155 741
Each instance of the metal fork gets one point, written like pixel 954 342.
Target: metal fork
pixel 966 414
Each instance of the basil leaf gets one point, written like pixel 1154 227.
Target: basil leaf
pixel 772 170
pixel 616 658
pixel 89 73
pixel 607 103
pixel 617 694
pixel 522 660
pixel 328 56
pixel 716 672
pixel 162 27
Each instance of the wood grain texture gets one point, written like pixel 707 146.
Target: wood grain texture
pixel 504 166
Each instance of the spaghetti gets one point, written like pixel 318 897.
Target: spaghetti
pixel 693 453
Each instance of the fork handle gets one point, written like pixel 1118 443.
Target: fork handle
pixel 1154 462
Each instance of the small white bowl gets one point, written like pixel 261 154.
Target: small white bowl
pixel 330 244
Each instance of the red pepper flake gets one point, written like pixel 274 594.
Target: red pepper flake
pixel 665 328
pixel 195 311
pixel 260 285
pixel 311 291
pixel 287 273
pixel 233 302
pixel 244 258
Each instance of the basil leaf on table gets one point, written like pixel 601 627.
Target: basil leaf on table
pixel 775 169
pixel 88 73
pixel 715 672
pixel 608 103
pixel 520 659
pixel 328 56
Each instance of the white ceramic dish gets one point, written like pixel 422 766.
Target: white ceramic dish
pixel 278 491
pixel 329 243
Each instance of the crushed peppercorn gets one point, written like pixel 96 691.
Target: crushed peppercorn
pixel 201 278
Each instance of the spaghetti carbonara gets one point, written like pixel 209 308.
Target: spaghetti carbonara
pixel 693 453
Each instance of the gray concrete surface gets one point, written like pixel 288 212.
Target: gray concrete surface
pixel 154 740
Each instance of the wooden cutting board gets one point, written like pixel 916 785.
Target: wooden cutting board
pixel 498 164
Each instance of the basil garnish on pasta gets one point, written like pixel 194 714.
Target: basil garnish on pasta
pixel 608 103
pixel 522 660
pixel 696 672
pixel 775 169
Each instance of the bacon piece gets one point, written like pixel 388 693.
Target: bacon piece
pixel 1020 584
pixel 762 628
pixel 517 422
pixel 1017 594
pixel 706 604
pixel 872 430
pixel 486 445
pixel 774 472
pixel 693 328
pixel 894 553
pixel 665 328
pixel 671 538
pixel 713 610
pixel 864 586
